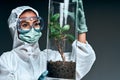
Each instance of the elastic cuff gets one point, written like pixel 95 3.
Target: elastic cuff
pixel 81 44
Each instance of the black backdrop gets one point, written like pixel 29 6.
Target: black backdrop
pixel 103 20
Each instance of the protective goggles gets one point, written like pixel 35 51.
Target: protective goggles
pixel 24 26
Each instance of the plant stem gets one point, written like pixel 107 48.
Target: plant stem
pixel 60 50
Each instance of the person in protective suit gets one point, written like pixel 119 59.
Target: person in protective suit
pixel 26 61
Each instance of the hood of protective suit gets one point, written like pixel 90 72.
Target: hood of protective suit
pixel 12 22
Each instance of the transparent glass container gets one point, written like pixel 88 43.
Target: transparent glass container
pixel 61 34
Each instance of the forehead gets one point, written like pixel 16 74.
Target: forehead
pixel 28 14
pixel 29 19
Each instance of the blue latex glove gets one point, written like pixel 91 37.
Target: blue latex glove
pixel 43 75
pixel 80 17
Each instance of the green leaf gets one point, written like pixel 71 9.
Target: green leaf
pixel 54 33
pixel 70 38
pixel 66 27
pixel 54 17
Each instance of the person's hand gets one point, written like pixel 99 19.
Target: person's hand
pixel 43 75
pixel 81 26
pixel 80 21
pixel 80 17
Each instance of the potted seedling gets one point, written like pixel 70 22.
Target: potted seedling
pixel 60 35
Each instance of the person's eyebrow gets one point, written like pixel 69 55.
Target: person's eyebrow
pixel 23 21
pixel 36 21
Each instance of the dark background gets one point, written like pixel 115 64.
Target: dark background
pixel 103 20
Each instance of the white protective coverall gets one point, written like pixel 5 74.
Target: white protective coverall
pixel 28 62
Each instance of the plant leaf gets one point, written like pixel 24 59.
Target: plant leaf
pixel 54 17
pixel 70 38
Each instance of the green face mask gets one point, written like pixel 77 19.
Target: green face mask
pixel 30 37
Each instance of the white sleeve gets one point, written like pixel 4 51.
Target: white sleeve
pixel 5 73
pixel 85 57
